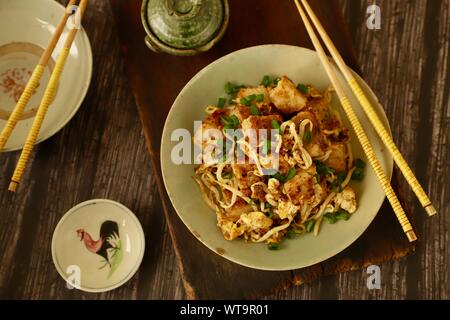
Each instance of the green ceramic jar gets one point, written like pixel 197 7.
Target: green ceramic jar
pixel 184 27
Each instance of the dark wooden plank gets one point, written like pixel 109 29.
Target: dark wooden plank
pixel 407 65
pixel 146 69
pixel 392 61
pixel 101 153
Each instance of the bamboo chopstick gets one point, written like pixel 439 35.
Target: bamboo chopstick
pixel 49 94
pixel 34 79
pixel 365 143
pixel 372 115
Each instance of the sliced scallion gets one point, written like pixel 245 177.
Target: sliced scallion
pixel 307 136
pixel 310 225
pixel 254 110
pixel 221 103
pixel 330 218
pixel 303 88
pixel 342 215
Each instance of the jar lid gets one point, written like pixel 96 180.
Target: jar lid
pixel 184 24
pixel 98 245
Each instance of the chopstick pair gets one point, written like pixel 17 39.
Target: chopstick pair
pixel 373 117
pixel 49 93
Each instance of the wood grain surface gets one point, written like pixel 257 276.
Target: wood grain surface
pixel 102 153
pixel 381 242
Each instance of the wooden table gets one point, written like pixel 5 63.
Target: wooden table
pixel 101 153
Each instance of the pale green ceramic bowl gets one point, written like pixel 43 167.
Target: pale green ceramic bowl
pixel 248 66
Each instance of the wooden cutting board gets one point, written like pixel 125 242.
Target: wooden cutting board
pixel 156 80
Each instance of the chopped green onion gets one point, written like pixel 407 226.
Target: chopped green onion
pixel 232 89
pixel 330 218
pixel 337 186
pixel 360 164
pixel 227 175
pixel 229 88
pixel 279 177
pixel 267 205
pixel 291 174
pixel 318 178
pixel 246 101
pixel 273 246
pixel 276 125
pixel 323 169
pixel 230 122
pixel 303 88
pixel 342 215
pixel 291 234
pixel 266 147
pixel 269 81
pixel 310 225
pixel 221 103
pixel 358 175
pixel 220 144
pixel 254 110
pixel 269 214
pixel 266 81
pixel 341 176
pixel 307 136
pixel 260 97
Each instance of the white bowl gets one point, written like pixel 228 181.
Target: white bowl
pixel 26 26
pixel 248 66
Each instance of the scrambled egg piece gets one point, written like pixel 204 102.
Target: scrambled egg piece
pixel 286 97
pixel 255 220
pixel 273 186
pixel 287 210
pixel 346 200
pixel 248 223
pixel 229 229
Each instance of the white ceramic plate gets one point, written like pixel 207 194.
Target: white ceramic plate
pixel 26 27
pixel 98 245
pixel 248 66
